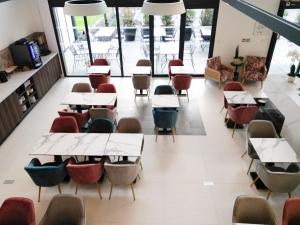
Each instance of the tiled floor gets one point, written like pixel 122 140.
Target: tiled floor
pixel 192 181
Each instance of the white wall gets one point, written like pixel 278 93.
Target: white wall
pixel 18 18
pixel 233 26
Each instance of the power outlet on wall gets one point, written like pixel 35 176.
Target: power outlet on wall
pixel 246 40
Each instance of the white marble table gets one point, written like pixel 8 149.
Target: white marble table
pixel 99 69
pixel 120 144
pixel 247 224
pixel 77 98
pixel 182 70
pixel 71 144
pixel 141 70
pixel 239 97
pixel 272 150
pixel 165 101
pixel 105 32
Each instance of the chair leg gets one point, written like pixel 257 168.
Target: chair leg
pixel 256 179
pixel 289 194
pixel 250 166
pixel 222 108
pixel 233 130
pixel 39 198
pixel 76 188
pixel 244 154
pixel 131 185
pixel 187 95
pixel 98 190
pixel 111 187
pixel 141 165
pixel 226 115
pixel 156 129
pixel 134 94
pixel 173 134
pixel 269 193
pixel 59 189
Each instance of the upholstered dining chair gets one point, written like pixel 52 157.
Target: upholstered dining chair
pixel 97 79
pixel 64 209
pixel 173 62
pixel 258 129
pixel 46 175
pixel 129 125
pixel 163 90
pixel 182 82
pixel 253 210
pixel 122 174
pixel 277 179
pixel 85 173
pixel 101 125
pixel 101 62
pixel 231 86
pixel 165 119
pixel 254 69
pixel 291 212
pixel 141 82
pixel 17 211
pixel 105 113
pixel 217 71
pixel 64 124
pixel 81 118
pixel 108 88
pixel 81 88
pixel 241 115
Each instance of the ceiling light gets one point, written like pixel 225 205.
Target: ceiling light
pixel 163 7
pixel 85 7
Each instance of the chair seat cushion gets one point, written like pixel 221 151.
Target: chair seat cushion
pixel 226 75
pixel 254 75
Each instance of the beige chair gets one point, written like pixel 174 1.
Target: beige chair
pixel 64 209
pixel 277 179
pixel 81 88
pixel 96 113
pixel 258 129
pixel 122 174
pixel 253 210
pixel 141 81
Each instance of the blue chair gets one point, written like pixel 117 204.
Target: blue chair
pixel 46 175
pixel 165 119
pixel 101 125
pixel 164 90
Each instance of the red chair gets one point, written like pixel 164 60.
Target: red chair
pixel 182 82
pixel 81 118
pixel 174 62
pixel 65 124
pixel 97 79
pixel 107 88
pixel 85 173
pixel 17 211
pixel 100 62
pixel 291 212
pixel 231 86
pixel 241 115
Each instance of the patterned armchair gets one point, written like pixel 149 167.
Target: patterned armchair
pixel 254 69
pixel 215 70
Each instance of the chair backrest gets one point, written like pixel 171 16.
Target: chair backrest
pixel 101 125
pixel 174 62
pixel 82 88
pixel 65 124
pixel 242 114
pixel 100 62
pixel 85 172
pixel 291 212
pixel 182 82
pixel 17 210
pixel 65 209
pixel 141 82
pixel 96 113
pixel 233 86
pixel 253 210
pixel 163 90
pixel 106 88
pixel 143 62
pixel 97 79
pixel 214 63
pixel 165 118
pixel 255 62
pixel 261 129
pixel 79 117
pixel 129 125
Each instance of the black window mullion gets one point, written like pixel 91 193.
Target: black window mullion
pixel 182 35
pixel 88 39
pixel 151 44
pixel 120 40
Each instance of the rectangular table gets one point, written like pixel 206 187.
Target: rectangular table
pixel 274 150
pixel 141 70
pixel 247 224
pixel 89 144
pixel 182 70
pixel 99 69
pixel 77 98
pixel 165 101
pixel 239 97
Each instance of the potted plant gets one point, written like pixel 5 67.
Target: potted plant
pixel 128 22
pixel 295 56
pixel 206 17
pixel 190 15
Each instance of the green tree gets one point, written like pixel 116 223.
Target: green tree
pixel 167 20
pixel 206 17
pixel 190 15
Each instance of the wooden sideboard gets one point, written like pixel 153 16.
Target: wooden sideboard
pixel 25 90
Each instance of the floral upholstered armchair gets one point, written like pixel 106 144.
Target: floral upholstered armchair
pixel 216 71
pixel 254 69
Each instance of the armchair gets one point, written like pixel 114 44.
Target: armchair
pixel 217 71
pixel 254 69
pixel 291 212
pixel 81 118
pixel 182 82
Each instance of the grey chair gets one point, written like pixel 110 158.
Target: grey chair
pixel 64 209
pixel 96 113
pixel 258 129
pixel 122 174
pixel 277 179
pixel 253 210
pixel 141 81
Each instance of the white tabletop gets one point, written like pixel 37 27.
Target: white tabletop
pixel 77 98
pixel 165 101
pixel 99 69
pixel 105 32
pixel 141 70
pixel 100 47
pixel 169 48
pixel 120 144
pixel 70 144
pixel 247 224
pixel 182 70
pixel 239 97
pixel 159 32
pixel 274 150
